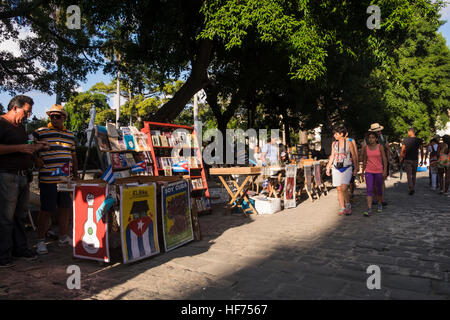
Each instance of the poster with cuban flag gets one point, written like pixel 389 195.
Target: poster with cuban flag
pixel 176 214
pixel 90 235
pixel 138 227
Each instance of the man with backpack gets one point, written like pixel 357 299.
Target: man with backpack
pixel 432 152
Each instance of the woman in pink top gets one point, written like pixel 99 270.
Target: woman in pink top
pixel 374 168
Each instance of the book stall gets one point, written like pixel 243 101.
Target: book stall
pixel 134 211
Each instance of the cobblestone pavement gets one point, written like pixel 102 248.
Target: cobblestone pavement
pixel 304 253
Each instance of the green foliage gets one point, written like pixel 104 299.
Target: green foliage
pixel 417 87
pixel 36 123
pixel 79 106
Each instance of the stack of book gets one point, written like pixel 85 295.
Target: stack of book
pixel 197 183
pixel 202 204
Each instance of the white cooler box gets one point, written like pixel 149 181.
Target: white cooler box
pixel 266 205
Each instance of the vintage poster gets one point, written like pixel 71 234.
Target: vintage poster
pixel 289 187
pixel 90 238
pixel 138 227
pixel 176 215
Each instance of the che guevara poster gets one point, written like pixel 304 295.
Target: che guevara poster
pixel 138 227
pixel 176 215
pixel 90 238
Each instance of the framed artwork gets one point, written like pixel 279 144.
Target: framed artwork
pixel 90 237
pixel 176 215
pixel 138 227
pixel 289 187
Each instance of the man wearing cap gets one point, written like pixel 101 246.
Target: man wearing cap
pixel 61 155
pixel 382 140
pixel 16 164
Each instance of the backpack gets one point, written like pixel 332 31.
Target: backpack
pixel 434 155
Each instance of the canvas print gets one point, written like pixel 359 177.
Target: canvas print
pixel 176 215
pixel 129 142
pixel 289 187
pixel 138 227
pixel 102 138
pixel 90 237
pixel 141 141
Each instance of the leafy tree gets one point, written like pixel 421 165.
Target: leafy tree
pixel 53 58
pixel 78 108
pixel 417 87
pixel 36 123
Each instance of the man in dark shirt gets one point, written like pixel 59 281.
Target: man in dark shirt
pixel 410 156
pixel 16 161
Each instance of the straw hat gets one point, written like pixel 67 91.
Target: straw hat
pixel 57 108
pixel 374 127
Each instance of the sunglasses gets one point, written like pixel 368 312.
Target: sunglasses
pixel 56 116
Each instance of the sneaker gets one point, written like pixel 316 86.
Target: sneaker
pixel 6 263
pixel 367 213
pixel 411 192
pixel 52 235
pixel 380 208
pixel 26 255
pixel 65 241
pixel 348 209
pixel 341 211
pixel 41 248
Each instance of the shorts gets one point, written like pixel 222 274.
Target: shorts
pixel 340 178
pixel 51 199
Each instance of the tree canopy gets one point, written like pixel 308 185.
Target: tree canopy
pixel 299 63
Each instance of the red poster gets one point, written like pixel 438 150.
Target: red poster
pixel 90 237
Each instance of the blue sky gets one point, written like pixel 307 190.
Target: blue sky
pixel 43 102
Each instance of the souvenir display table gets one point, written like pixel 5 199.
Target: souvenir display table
pixel 240 195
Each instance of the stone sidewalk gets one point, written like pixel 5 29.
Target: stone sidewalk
pixel 304 253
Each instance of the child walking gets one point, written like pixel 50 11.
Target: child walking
pixel 375 170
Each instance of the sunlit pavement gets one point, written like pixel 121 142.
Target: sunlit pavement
pixel 304 253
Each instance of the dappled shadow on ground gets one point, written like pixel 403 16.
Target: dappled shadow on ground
pixel 304 253
pixel 408 241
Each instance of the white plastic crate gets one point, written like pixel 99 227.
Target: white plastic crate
pixel 266 205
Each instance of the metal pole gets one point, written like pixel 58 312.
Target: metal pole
pixel 118 99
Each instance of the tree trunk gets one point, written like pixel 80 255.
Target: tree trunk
pixel 197 80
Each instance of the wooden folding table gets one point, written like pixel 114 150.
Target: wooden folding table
pixel 241 193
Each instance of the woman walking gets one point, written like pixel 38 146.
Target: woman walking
pixel 340 162
pixel 443 164
pixel 375 170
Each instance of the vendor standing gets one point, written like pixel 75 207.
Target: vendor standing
pixel 270 153
pixel 61 153
pixel 16 165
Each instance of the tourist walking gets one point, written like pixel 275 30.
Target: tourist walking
pixel 383 141
pixel 432 154
pixel 352 185
pixel 16 164
pixel 61 153
pixel 340 166
pixel 375 171
pixel 443 164
pixel 410 156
